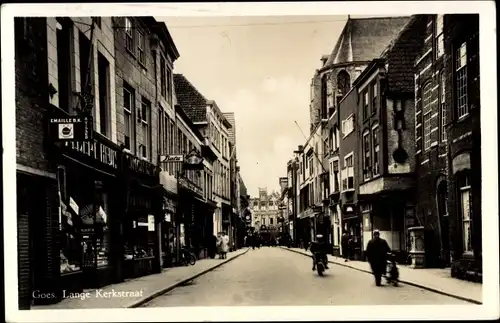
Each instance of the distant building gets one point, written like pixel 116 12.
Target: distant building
pixel 265 210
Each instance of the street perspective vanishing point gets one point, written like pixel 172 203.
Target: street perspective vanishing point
pixel 170 161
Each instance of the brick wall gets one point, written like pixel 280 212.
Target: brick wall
pixel 31 92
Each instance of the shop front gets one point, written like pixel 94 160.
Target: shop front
pixel 143 214
pixel 88 174
pixel 353 227
pixel 168 224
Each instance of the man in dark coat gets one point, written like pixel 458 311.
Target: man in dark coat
pixel 376 252
pixel 345 246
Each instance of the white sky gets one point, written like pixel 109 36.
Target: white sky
pixel 260 68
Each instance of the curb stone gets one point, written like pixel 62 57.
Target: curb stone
pixel 181 282
pixel 470 300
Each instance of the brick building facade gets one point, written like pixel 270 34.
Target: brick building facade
pixel 463 131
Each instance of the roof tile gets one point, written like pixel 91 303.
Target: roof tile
pixel 190 99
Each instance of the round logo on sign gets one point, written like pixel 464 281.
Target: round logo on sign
pixel 66 131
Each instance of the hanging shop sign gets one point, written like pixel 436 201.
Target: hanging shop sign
pixel 72 128
pixel 169 205
pixel 96 149
pixel 74 206
pixel 193 160
pixel 137 165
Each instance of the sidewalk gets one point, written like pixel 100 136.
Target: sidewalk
pixel 437 280
pixel 142 289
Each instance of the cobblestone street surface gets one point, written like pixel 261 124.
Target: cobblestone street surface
pixel 278 277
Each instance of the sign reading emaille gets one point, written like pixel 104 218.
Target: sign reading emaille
pixel 97 150
pixel 71 128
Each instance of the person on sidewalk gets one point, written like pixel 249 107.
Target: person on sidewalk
pixel 345 246
pixel 376 252
pixel 224 245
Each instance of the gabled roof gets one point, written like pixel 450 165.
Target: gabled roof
pixel 192 102
pixel 364 39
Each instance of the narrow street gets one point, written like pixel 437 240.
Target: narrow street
pixel 273 276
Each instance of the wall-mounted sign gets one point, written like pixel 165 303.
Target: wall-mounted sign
pixel 190 186
pixel 72 128
pixel 97 150
pixel 74 206
pixel 151 222
pixel 172 159
pixel 138 165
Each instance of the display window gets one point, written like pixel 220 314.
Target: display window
pixel 141 238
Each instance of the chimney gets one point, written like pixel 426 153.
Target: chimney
pixel 301 148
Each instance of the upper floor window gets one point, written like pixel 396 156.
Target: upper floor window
pixel 336 180
pixel 129 36
pixel 128 108
pixel 311 165
pixel 366 155
pixel 343 83
pixel 376 148
pixel 141 47
pixel 442 103
pixel 375 96
pixel 348 172
pixel 324 97
pixel 439 36
pixel 348 126
pixel 145 117
pixel 461 80
pixel 366 104
pixel 163 77
pixel 170 92
pixel 271 203
pixel 336 137
pixel 426 111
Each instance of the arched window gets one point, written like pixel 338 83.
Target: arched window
pixel 343 84
pixel 324 97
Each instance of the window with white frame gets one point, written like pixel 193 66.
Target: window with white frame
pixel 461 80
pixel 442 99
pixel 348 176
pixel 366 155
pixel 348 126
pixel 427 111
pixel 376 148
pixel 129 36
pixel 465 200
pixel 141 47
pixel 439 36
pixel 311 165
pixel 128 108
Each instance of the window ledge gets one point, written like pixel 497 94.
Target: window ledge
pixel 464 117
pixel 131 53
pixel 143 65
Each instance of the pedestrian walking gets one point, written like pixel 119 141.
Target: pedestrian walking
pixel 345 246
pixel 376 252
pixel 224 245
